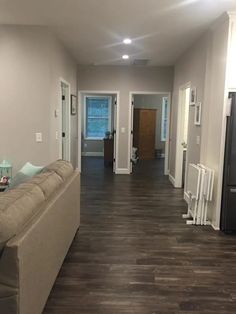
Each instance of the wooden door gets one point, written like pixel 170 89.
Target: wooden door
pixel 147 130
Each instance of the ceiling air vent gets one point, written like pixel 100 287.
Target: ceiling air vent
pixel 140 62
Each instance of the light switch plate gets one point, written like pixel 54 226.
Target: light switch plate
pixel 38 137
pixel 56 113
pixel 123 130
pixel 198 140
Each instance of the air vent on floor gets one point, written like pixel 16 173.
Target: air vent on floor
pixel 140 61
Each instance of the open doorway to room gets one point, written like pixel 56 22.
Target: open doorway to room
pixel 150 129
pixel 64 148
pixel 98 129
pixel 182 137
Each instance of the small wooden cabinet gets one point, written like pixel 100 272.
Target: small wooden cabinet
pixel 108 152
pixel 144 130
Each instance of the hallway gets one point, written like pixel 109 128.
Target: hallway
pixel 135 254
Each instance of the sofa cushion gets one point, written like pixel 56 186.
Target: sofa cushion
pixel 25 173
pixel 17 207
pixel 11 195
pixel 30 170
pixel 18 179
pixel 48 182
pixel 62 167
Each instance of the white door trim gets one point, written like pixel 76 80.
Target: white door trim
pixel 61 80
pixel 179 148
pixel 130 144
pixel 98 92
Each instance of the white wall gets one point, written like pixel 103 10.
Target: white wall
pixel 125 79
pixel 231 75
pixel 31 63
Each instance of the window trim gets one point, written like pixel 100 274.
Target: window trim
pixel 163 118
pixel 85 115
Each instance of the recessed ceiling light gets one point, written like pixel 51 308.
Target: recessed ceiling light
pixel 125 57
pixel 127 41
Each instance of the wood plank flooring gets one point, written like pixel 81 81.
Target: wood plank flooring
pixel 135 254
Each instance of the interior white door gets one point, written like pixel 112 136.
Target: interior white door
pixel 63 129
pixel 131 132
pixel 114 134
pixel 185 135
pixel 65 134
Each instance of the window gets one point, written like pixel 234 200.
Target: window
pixel 97 116
pixel 164 118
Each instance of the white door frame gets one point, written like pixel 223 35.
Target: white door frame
pixel 179 137
pixel 98 92
pixel 130 140
pixel 68 121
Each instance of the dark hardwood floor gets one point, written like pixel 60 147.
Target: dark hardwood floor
pixel 135 254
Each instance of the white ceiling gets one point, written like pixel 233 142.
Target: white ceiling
pixel 93 30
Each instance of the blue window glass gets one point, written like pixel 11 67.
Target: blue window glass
pixel 97 116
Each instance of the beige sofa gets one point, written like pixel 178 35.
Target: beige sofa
pixel 38 221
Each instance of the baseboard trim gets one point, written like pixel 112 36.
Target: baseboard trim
pixel 167 172
pixel 93 154
pixel 122 171
pixel 172 179
pixel 214 227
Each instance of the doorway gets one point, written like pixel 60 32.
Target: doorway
pixel 149 135
pixel 181 166
pixel 97 128
pixel 65 120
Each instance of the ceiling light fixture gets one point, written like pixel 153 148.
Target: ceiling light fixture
pixel 125 57
pixel 127 41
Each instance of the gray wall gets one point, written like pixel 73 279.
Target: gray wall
pixel 153 102
pixel 125 79
pixel 204 65
pixel 31 63
pixel 191 67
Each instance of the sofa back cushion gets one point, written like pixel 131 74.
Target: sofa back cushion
pixel 48 182
pixel 17 207
pixel 62 167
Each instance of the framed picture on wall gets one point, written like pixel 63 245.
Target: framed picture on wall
pixel 73 105
pixel 197 115
pixel 193 96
